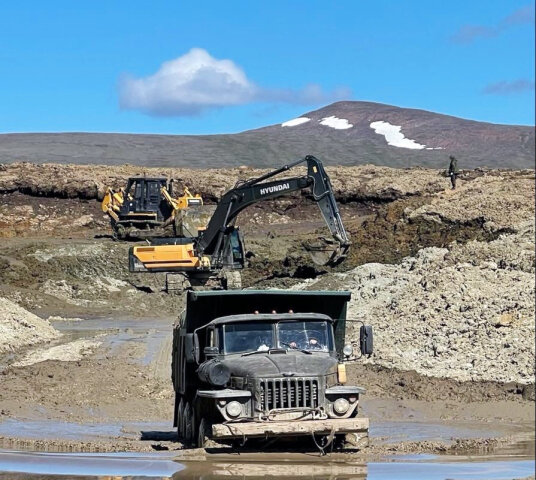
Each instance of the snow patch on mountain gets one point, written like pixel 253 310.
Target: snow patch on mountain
pixel 295 121
pixel 337 123
pixel 396 138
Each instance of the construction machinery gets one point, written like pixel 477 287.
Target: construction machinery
pixel 146 208
pixel 218 253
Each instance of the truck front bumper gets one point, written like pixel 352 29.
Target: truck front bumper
pixel 357 426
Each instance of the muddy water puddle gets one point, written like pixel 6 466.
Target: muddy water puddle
pixel 56 465
pixel 14 465
pixel 51 430
pixel 399 431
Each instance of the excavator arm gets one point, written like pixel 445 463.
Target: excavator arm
pixel 252 191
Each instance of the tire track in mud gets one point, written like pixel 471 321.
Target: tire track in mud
pixel 161 365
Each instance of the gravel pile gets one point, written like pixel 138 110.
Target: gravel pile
pixel 466 312
pixel 20 328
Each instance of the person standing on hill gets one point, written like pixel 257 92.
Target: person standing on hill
pixel 453 171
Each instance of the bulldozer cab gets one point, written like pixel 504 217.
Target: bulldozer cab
pixel 143 195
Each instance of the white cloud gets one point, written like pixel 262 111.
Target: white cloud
pixel 187 85
pixel 197 81
pixel 310 94
pixel 505 87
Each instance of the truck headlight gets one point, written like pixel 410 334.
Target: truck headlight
pixel 233 409
pixel 341 406
pixel 348 350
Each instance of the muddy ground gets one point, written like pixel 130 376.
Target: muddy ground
pixel 104 384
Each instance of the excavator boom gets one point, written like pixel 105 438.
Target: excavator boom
pixel 256 190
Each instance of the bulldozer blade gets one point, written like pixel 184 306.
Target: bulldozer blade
pixel 326 252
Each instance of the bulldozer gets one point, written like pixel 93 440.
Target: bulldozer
pixel 216 255
pixel 146 208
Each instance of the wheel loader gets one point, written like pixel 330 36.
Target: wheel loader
pixel 146 208
pixel 216 255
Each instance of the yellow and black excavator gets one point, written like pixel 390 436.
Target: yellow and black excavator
pixel 145 208
pixel 218 251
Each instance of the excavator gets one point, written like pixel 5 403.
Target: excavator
pixel 218 254
pixel 145 208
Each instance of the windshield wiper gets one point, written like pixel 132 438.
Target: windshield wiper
pixel 296 348
pixel 270 350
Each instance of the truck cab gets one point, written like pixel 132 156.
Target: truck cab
pixel 264 364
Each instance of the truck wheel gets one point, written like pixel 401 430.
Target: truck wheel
pixel 180 422
pixel 203 432
pixel 188 424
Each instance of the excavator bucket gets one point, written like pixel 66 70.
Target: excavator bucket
pixel 326 251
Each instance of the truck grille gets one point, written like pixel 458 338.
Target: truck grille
pixel 288 393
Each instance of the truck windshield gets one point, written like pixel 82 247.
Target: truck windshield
pixel 259 336
pixel 312 336
pixel 248 336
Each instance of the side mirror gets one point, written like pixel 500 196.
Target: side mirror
pixel 191 348
pixel 366 342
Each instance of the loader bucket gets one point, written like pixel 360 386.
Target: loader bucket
pixel 326 252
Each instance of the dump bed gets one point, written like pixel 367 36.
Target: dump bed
pixel 204 306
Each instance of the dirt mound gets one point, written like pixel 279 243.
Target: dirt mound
pixel 20 328
pixel 498 202
pixel 466 312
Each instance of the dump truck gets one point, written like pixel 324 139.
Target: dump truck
pixel 266 364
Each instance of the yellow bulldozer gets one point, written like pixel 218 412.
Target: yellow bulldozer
pixel 146 208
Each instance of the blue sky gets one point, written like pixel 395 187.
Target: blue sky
pixel 97 66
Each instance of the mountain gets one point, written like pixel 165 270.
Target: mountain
pixel 343 133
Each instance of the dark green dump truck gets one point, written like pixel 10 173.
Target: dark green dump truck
pixel 265 364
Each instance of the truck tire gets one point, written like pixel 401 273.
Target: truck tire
pixel 188 429
pixel 203 432
pixel 180 416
